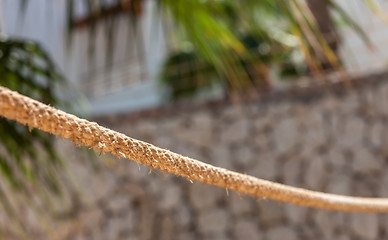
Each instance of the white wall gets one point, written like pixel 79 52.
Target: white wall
pixel 358 58
pixel 45 22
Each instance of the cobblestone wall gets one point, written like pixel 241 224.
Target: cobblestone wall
pixel 333 141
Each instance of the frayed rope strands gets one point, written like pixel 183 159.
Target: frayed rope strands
pixel 82 132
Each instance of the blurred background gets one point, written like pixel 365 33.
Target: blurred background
pixel 290 91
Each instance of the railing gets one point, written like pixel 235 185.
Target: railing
pixel 102 81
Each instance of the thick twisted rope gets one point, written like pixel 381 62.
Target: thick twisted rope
pixel 82 132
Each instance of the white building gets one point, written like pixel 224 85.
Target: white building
pixel 138 52
pixel 131 82
pixel 358 58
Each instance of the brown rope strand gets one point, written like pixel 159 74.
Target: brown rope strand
pixel 82 132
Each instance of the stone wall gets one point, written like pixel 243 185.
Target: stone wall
pixel 326 140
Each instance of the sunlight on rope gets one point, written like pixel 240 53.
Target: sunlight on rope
pixel 82 132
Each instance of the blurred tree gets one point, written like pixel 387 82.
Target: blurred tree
pixel 28 160
pixel 321 12
pixel 297 36
pixel 25 67
pixel 260 35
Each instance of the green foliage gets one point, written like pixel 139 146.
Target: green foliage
pixel 242 39
pixel 209 37
pixel 187 73
pixel 26 68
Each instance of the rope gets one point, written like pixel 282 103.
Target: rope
pixel 82 132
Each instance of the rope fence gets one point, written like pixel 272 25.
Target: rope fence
pixel 35 114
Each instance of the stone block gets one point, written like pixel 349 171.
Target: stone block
pixel 231 112
pixel 282 233
pixel 271 213
pixel 316 173
pixel 219 236
pixel 350 103
pixel 167 228
pixel 339 184
pixel 235 132
pixel 166 141
pixel 147 130
pixel 221 156
pixel 240 204
pixel 213 221
pixel 291 172
pixel 364 225
pixel 170 197
pixel 365 162
pixel 352 133
pixel 262 142
pixel 203 197
pixel 376 134
pixel 381 99
pixel 247 229
pixel 266 167
pixel 135 171
pixel 383 187
pixel 314 134
pixel 113 228
pixel 100 186
pixel 296 214
pixel 186 236
pixel 183 216
pixel 336 158
pixel 324 220
pixel 262 123
pixel 118 202
pixel 285 135
pixel 245 156
pixel 199 130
